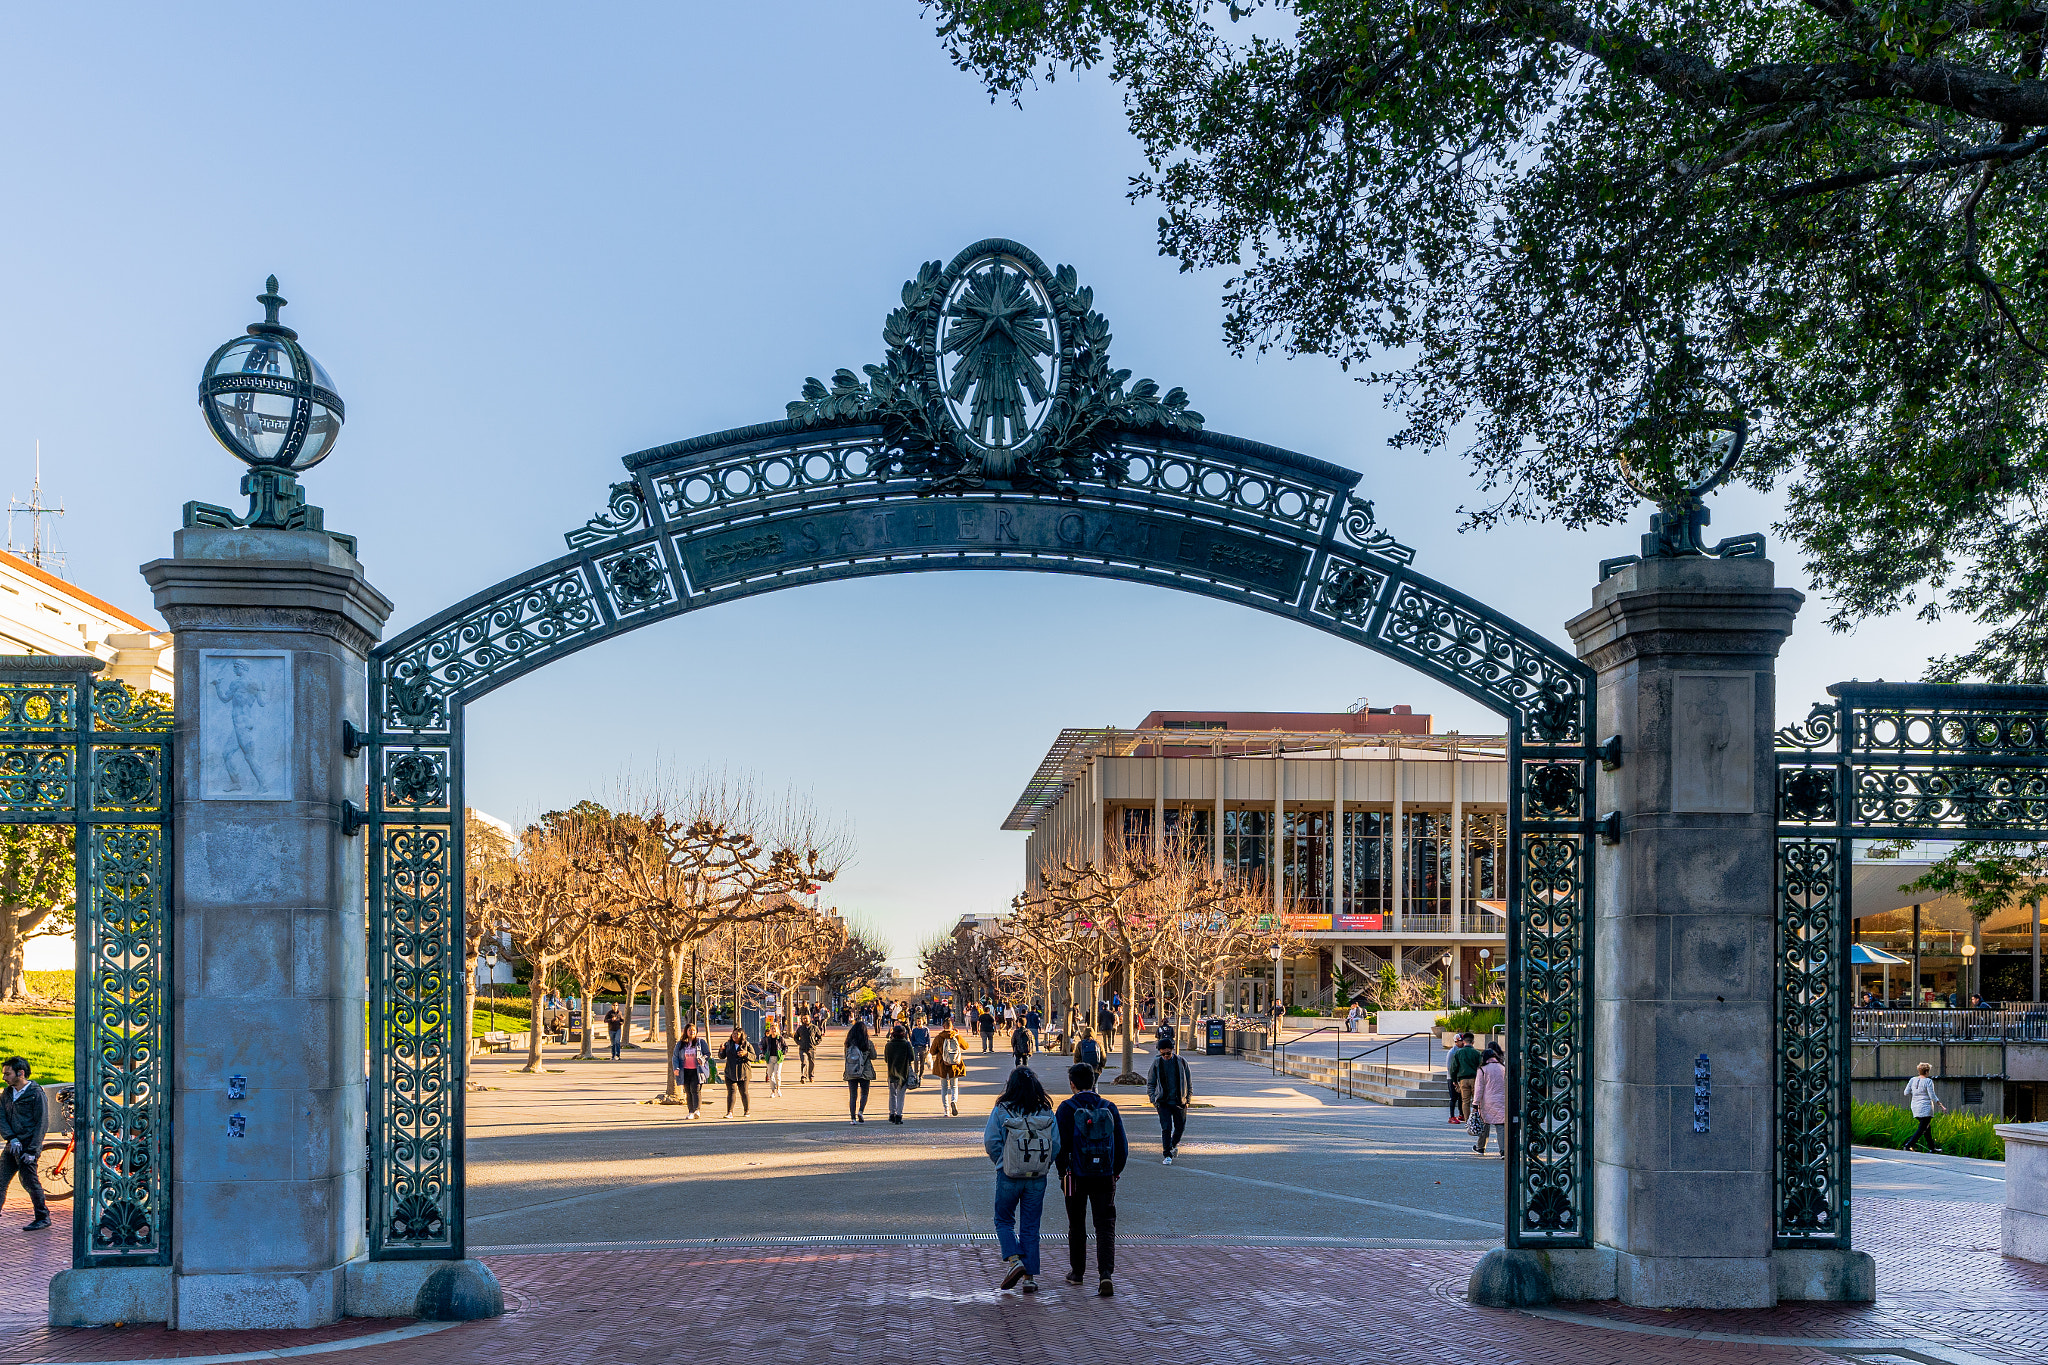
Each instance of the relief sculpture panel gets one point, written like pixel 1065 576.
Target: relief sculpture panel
pixel 245 725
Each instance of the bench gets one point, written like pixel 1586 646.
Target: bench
pixel 495 1042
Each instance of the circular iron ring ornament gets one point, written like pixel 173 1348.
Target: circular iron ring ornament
pixel 999 357
pixel 1680 481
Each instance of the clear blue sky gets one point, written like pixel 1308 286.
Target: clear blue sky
pixel 528 239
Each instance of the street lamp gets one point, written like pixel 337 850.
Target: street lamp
pixel 1969 954
pixel 275 409
pixel 488 953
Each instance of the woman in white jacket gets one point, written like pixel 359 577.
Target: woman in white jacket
pixel 1920 1095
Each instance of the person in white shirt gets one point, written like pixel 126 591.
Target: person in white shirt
pixel 1920 1095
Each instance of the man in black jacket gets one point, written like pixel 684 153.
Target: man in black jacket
pixel 1170 1086
pixel 806 1052
pixel 24 1118
pixel 1091 1156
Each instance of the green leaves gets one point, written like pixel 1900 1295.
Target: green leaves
pixel 1515 215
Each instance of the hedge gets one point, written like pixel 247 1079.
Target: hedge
pixel 1886 1125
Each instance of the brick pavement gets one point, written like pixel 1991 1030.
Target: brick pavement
pixel 1940 1277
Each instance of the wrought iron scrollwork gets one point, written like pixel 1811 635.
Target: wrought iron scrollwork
pixel 624 515
pixel 416 953
pixel 1812 1066
pixel 1361 528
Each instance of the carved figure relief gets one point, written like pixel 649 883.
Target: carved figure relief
pixel 1713 742
pixel 245 725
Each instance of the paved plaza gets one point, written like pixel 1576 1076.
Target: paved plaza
pixel 1297 1226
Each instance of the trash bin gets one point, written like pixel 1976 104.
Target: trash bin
pixel 1216 1040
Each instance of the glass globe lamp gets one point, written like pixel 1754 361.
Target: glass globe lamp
pixel 268 401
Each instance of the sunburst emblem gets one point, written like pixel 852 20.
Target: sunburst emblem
pixel 1001 352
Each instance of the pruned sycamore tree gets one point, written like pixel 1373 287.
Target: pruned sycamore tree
pixel 1530 221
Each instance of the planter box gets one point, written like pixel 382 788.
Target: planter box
pixel 1407 1021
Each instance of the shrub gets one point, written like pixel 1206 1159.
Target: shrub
pixel 1479 1020
pixel 1886 1125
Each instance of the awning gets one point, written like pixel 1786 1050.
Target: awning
pixel 1864 955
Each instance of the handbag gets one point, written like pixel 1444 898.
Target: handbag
pixel 911 1079
pixel 1475 1125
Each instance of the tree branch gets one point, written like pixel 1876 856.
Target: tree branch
pixel 1998 153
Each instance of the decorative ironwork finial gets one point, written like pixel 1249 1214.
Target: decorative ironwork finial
pixel 270 326
pixel 1672 450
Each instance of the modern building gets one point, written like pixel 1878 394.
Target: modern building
pixel 1389 839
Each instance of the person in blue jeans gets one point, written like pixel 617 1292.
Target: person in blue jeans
pixel 1022 1139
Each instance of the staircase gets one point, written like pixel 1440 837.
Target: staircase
pixel 1398 1086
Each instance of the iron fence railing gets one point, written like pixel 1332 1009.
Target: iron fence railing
pixel 1382 1059
pixel 2001 1023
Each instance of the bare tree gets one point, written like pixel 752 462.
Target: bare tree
pixel 489 862
pixel 698 856
pixel 856 962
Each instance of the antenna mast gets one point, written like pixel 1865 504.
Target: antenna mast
pixel 44 556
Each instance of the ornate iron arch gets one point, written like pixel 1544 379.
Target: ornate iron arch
pixel 994 435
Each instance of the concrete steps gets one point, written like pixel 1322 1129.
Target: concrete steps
pixel 1403 1087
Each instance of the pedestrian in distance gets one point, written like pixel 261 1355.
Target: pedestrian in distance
pixel 24 1122
pixel 860 1072
pixel 988 1031
pixel 806 1051
pixel 1490 1102
pixel 1920 1096
pixel 692 1063
pixel 738 1056
pixel 771 1053
pixel 1091 1158
pixel 1035 1022
pixel 920 1044
pixel 1463 1068
pixel 949 1061
pixel 1022 1139
pixel 1170 1085
pixel 900 1057
pixel 615 1025
pixel 1020 1045
pixel 1088 1052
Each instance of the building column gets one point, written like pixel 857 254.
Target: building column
pixel 1397 898
pixel 273 630
pixel 1279 840
pixel 1216 823
pixel 1457 838
pixel 1159 804
pixel 1685 920
pixel 1337 851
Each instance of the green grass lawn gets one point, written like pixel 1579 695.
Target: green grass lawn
pixel 490 1021
pixel 1886 1125
pixel 45 1039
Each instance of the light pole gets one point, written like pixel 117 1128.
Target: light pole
pixel 488 954
pixel 1969 972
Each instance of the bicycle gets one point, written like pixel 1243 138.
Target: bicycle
pixel 56 1166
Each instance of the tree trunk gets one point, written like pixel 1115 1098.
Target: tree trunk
pixel 16 925
pixel 633 1003
pixel 1130 1075
pixel 586 976
pixel 536 1021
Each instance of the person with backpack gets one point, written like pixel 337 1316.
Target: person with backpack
pixel 920 1045
pixel 738 1056
pixel 900 1058
pixel 1022 1139
pixel 860 1072
pixel 1088 1052
pixel 806 1051
pixel 771 1053
pixel 988 1030
pixel 1170 1085
pixel 692 1062
pixel 1091 1158
pixel 949 1061
pixel 1020 1045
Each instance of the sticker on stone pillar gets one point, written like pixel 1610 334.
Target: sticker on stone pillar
pixel 1713 742
pixel 245 725
pixel 1702 1094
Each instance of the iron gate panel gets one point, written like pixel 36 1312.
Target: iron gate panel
pixel 92 757
pixel 1889 761
pixel 855 484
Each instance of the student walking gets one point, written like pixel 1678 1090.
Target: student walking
pixel 692 1062
pixel 1034 1021
pixel 24 1122
pixel 1091 1157
pixel 949 1061
pixel 920 1045
pixel 900 1057
pixel 1022 1139
pixel 1088 1052
pixel 738 1056
pixel 860 1072
pixel 1020 1045
pixel 1463 1066
pixel 988 1031
pixel 1170 1085
pixel 1920 1095
pixel 1490 1102
pixel 615 1025
pixel 771 1053
pixel 806 1051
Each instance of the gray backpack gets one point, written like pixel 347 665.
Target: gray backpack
pixel 1027 1145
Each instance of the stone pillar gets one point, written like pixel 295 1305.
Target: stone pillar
pixel 273 628
pixel 1685 918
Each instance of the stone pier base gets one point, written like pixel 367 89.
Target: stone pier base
pixel 101 1297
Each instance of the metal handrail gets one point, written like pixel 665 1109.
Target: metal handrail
pixel 1386 1063
pixel 1273 1057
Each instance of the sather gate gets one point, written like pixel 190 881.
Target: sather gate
pixel 993 434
